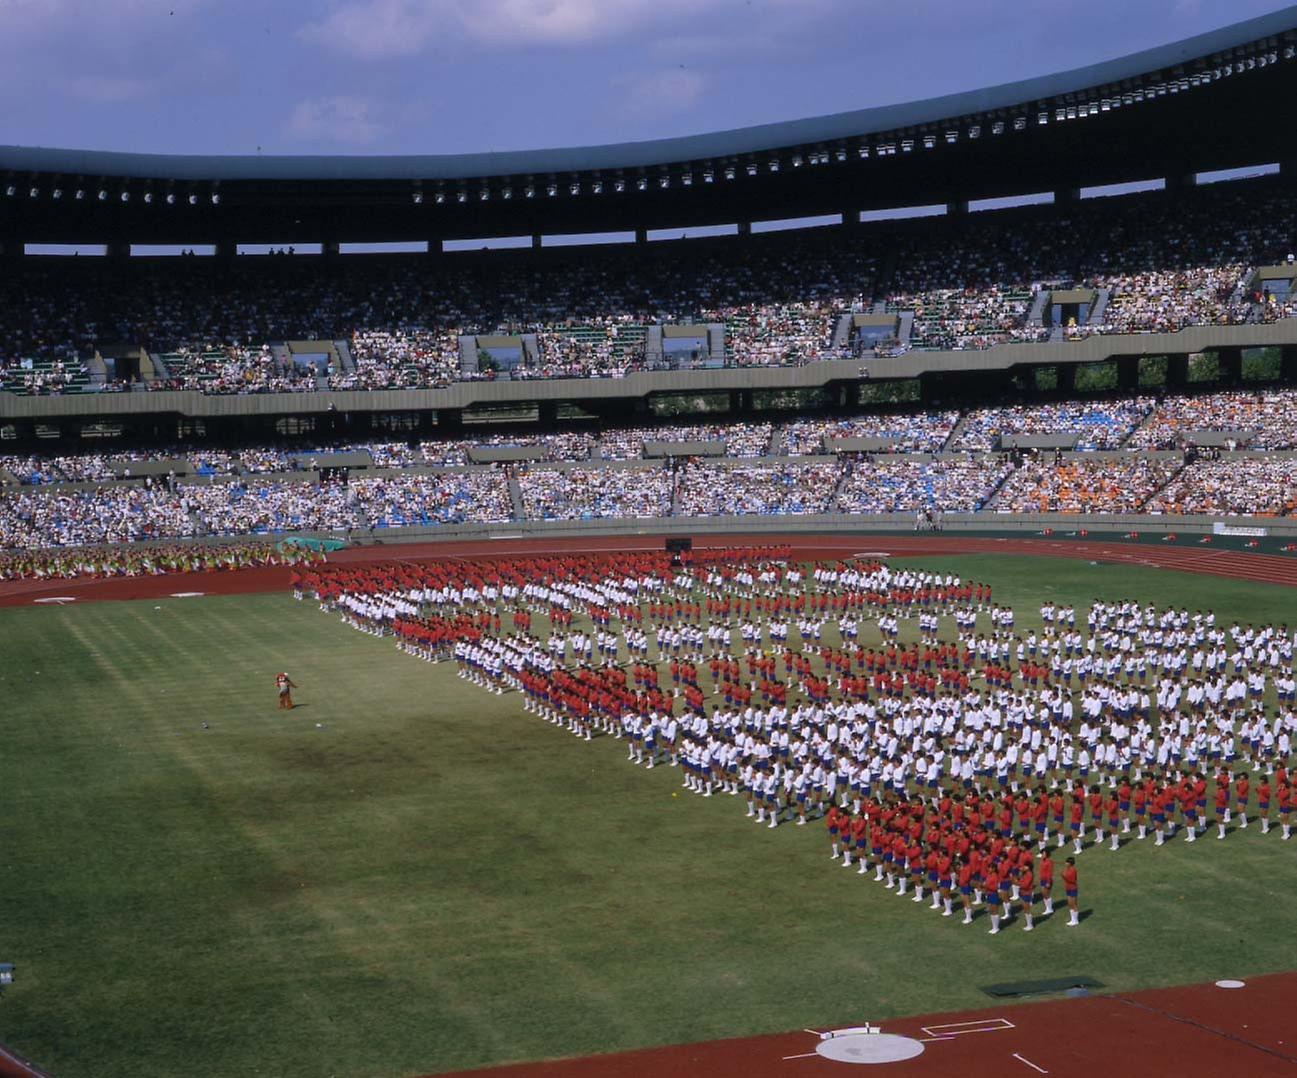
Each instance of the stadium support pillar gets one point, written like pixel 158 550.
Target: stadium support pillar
pixel 1068 196
pixel 1230 361
pixel 535 242
pixel 641 235
pixel 1288 363
pixel 957 209
pixel 1067 378
pixel 450 420
pixel 117 250
pixel 850 218
pixel 1128 373
pixel 740 402
pixel 329 249
pixel 1177 371
pixel 547 413
pixel 745 228
pixel 226 250
pixel 1178 181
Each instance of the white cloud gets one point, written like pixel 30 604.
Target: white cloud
pixel 108 89
pixel 342 119
pixel 375 29
pixel 661 93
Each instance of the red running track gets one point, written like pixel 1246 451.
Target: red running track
pixel 1236 565
pixel 1192 1031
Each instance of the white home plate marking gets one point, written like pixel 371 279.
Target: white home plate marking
pixel 848 1047
pixel 1038 1070
pixel 187 594
pixel 60 599
pixel 1230 984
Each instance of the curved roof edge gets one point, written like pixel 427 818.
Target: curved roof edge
pixel 632 155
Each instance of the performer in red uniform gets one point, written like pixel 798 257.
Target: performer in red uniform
pixel 1071 890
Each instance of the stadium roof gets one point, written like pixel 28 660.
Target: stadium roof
pixel 634 155
pixel 1207 102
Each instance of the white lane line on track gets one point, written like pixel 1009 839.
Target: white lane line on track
pixel 1038 1070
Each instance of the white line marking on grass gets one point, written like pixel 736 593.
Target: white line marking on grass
pixel 1038 1070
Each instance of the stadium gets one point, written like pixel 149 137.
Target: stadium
pixel 916 482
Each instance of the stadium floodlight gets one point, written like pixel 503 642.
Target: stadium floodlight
pixel 484 195
pixel 148 198
pixel 975 131
pixel 171 198
pixel 417 198
pixel 709 176
pixel 1062 114
pixel 439 198
pixel 35 192
pixel 842 157
pixel 619 186
pixel 1290 52
pixel 1043 119
pixel 752 169
pixel 80 194
pixel 774 164
pixel 574 188
pixel 641 184
pixel 461 196
pixel 125 195
pixel 596 187
pixel 864 152
pixel 797 160
pixel 529 191
pixel 907 145
pixel 687 178
pixel 664 182
pixel 730 172
pixel 193 200
pixel 929 142
pixel 11 190
pixel 552 190
pixel 506 193
pixel 103 195
pixel 57 193
pixel 6 973
pixel 216 198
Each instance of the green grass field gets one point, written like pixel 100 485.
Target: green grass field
pixel 435 879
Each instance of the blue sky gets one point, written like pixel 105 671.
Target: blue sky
pixel 446 76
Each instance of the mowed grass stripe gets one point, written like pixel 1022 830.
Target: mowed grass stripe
pixel 437 879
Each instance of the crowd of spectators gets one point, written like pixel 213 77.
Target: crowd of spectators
pixel 742 439
pixel 918 432
pixel 1097 424
pixel 901 485
pixel 1262 419
pixel 1232 486
pixel 394 501
pixel 706 489
pixel 970 283
pixel 596 493
pixel 1085 485
pixel 107 514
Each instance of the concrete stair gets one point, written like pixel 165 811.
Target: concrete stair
pixel 515 500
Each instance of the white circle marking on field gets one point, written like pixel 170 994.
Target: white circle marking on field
pixel 869 1048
